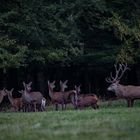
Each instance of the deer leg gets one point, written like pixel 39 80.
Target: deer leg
pixel 132 102
pixel 97 106
pixel 94 106
pixel 65 106
pixel 128 103
pixel 56 107
pixel 16 109
pixel 30 107
pixel 35 107
pixel 62 104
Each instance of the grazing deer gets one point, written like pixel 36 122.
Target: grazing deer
pixel 32 98
pixel 129 92
pixel 16 103
pixel 67 95
pixel 85 100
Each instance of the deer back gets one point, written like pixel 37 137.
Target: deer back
pixel 36 96
pixel 87 101
pixel 57 97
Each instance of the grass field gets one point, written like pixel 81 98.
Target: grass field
pixel 111 122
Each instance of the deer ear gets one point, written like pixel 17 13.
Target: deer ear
pixel 60 82
pixel 4 89
pixel 24 84
pixel 48 82
pixel 30 84
pixel 75 86
pixel 66 82
pixel 53 82
pixel 11 90
pixel 20 91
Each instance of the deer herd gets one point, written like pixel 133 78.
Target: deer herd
pixel 34 101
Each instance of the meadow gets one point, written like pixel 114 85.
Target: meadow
pixel 112 121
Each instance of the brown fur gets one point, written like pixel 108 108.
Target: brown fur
pixel 17 104
pixel 56 97
pixel 129 92
pixel 2 94
pixel 88 100
pixel 68 95
pixel 32 99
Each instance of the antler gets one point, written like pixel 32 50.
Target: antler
pixel 122 68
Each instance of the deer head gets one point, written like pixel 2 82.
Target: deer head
pixel 2 92
pixel 114 80
pixel 63 85
pixel 9 92
pixel 51 85
pixel 78 89
pixel 27 87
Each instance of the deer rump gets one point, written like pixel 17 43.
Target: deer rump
pixel 68 96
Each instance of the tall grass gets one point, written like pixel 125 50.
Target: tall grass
pixel 113 121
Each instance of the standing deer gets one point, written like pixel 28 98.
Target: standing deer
pixel 33 98
pixel 56 97
pixel 85 100
pixel 69 96
pixel 2 94
pixel 128 92
pixel 63 86
pixel 16 103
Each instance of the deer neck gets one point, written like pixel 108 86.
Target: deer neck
pixel 119 90
pixel 50 92
pixel 11 99
pixel 26 92
pixel 26 96
pixel 1 98
pixel 62 89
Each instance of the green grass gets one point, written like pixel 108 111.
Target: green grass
pixel 111 122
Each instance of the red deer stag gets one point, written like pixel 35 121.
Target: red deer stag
pixel 128 92
pixel 68 96
pixel 85 100
pixel 33 98
pixel 16 103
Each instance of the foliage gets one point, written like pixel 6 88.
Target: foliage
pixel 69 32
pixel 11 54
